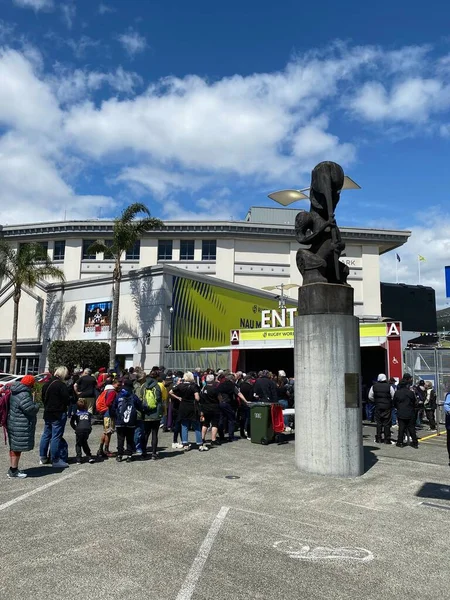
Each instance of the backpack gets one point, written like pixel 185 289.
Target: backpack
pixel 100 404
pixel 127 410
pixel 150 399
pixel 5 395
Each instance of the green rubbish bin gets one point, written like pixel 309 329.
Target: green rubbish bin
pixel 261 423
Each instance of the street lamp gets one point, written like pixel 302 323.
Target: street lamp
pixel 282 287
pixel 287 197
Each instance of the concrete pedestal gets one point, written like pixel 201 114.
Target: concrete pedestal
pixel 328 425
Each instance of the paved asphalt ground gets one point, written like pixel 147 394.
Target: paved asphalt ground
pixel 178 528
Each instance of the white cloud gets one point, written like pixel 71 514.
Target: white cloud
pixel 32 181
pixel 81 45
pixel 161 182
pixel 193 135
pixel 68 13
pixel 36 5
pixel 71 86
pixel 312 142
pixel 104 9
pixel 413 100
pixel 430 240
pixel 26 102
pixel 133 42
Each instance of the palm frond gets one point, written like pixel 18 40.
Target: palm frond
pixel 129 213
pixel 147 224
pixel 99 246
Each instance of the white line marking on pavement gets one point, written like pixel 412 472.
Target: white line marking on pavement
pixel 39 489
pixel 187 589
pixel 302 551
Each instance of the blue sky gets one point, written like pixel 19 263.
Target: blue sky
pixel 201 110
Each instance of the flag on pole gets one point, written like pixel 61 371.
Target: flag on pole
pixel 398 258
pixel 421 258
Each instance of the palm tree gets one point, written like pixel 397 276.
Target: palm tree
pixel 126 232
pixel 24 267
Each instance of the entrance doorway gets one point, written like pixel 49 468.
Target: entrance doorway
pixel 273 360
pixel 373 362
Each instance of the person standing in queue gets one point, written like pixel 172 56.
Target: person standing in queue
pixel 405 403
pixel 85 388
pixel 187 392
pixel 447 420
pixel 55 397
pixel 21 424
pixel 382 394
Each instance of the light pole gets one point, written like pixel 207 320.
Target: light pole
pixel 282 287
pixel 287 197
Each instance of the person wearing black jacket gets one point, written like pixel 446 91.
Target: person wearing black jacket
pixel 381 393
pixel 56 399
pixel 81 423
pixel 228 395
pixel 405 402
pixel 265 389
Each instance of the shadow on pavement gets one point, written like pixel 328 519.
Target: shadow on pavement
pixel 370 459
pixel 34 472
pixel 439 491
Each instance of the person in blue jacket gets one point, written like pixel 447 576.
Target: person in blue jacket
pixel 124 411
pixel 447 420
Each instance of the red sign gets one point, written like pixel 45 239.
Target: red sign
pixel 394 349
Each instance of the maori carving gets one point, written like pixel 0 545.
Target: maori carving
pixel 318 229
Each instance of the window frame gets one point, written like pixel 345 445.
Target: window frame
pixel 188 257
pixel 132 254
pixel 165 257
pixel 84 255
pixel 59 257
pixel 208 255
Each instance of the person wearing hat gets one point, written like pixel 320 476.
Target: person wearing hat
pixel 382 395
pixel 21 424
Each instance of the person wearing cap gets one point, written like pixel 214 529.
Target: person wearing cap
pixel 21 425
pixel 382 394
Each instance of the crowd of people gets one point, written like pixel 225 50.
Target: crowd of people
pixel 405 406
pixel 135 406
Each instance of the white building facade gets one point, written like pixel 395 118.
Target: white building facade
pixel 257 252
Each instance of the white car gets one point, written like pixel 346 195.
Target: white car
pixel 6 379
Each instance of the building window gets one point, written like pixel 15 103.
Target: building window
pixel 27 365
pixel 135 252
pixel 187 250
pixel 43 245
pixel 108 244
pixel 165 248
pixel 59 250
pixel 209 249
pixel 86 255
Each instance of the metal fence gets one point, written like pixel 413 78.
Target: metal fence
pixel 432 365
pixel 193 359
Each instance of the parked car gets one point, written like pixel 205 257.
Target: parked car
pixel 43 377
pixel 9 379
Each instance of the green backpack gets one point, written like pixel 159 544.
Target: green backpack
pixel 150 399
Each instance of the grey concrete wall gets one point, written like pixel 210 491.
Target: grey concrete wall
pixel 328 435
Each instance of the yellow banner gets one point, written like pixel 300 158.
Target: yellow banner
pixel 287 333
pixel 372 330
pixel 259 335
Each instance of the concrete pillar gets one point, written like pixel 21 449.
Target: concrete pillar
pixel 328 425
